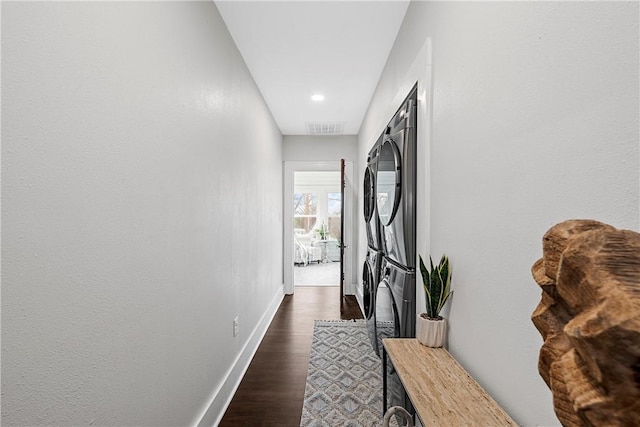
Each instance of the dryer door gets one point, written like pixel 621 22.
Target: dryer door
pixel 370 208
pixel 390 206
pixel 388 182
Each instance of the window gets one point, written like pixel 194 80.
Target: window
pixel 334 206
pixel 305 211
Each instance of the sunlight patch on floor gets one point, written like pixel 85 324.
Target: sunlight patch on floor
pixel 317 274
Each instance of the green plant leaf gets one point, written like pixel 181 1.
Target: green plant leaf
pixel 425 281
pixel 436 282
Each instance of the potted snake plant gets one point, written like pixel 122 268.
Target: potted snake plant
pixel 431 327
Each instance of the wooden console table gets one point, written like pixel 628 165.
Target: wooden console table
pixel 441 391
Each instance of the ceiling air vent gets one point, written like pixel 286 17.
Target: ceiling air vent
pixel 325 128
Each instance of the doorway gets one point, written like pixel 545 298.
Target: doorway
pixel 311 212
pixel 317 218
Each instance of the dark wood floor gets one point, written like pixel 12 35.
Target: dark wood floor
pixel 272 391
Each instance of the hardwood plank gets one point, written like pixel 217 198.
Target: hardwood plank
pixel 272 390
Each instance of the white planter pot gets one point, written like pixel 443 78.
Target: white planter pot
pixel 431 333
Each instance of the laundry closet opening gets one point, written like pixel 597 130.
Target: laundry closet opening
pixel 318 225
pixel 317 229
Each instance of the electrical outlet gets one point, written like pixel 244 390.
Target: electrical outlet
pixel 235 326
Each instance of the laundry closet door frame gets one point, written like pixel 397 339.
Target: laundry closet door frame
pixel 290 168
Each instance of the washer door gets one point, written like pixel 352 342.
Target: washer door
pixel 388 182
pixel 385 315
pixel 402 284
pixel 367 289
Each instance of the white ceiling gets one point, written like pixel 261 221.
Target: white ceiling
pixel 295 49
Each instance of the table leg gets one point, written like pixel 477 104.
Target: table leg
pixel 384 381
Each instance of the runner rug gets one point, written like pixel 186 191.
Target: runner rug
pixel 344 380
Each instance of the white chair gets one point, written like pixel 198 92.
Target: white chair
pixel 305 253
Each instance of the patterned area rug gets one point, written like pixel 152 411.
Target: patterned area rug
pixel 344 381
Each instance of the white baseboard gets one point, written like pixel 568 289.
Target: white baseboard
pixel 222 397
pixel 350 288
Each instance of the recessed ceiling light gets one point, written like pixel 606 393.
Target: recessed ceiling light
pixel 317 97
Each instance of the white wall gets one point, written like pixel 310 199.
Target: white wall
pixel 141 210
pixel 302 148
pixel 534 120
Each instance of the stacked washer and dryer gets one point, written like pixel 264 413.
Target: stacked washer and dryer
pixel 389 272
pixel 375 253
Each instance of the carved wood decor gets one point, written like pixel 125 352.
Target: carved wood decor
pixel 589 318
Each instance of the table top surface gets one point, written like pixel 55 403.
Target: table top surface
pixel 324 241
pixel 441 391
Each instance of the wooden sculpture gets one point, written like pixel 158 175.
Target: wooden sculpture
pixel 589 318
